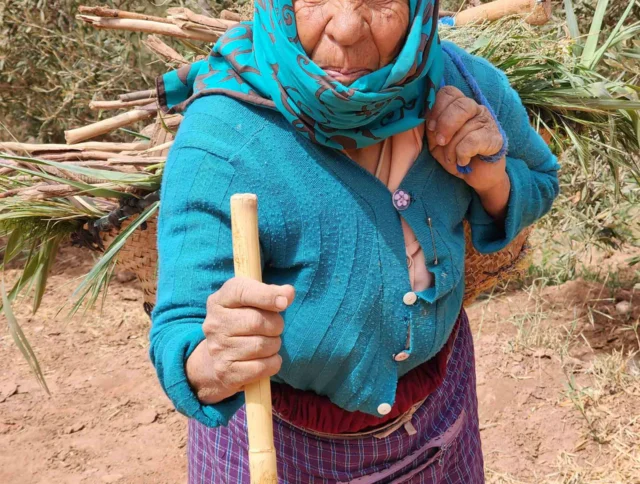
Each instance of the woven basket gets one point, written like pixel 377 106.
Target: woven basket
pixel 139 256
pixel 483 272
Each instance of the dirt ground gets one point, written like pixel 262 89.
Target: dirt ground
pixel 558 382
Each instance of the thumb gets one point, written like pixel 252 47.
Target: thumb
pixel 286 296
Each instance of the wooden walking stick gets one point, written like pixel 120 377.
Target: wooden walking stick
pixel 246 262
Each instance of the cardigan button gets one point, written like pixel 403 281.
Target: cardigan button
pixel 410 298
pixel 384 408
pixel 402 356
pixel 401 200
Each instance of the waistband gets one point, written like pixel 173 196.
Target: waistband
pixel 382 431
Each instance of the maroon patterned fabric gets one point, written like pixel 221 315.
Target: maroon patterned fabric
pixel 445 449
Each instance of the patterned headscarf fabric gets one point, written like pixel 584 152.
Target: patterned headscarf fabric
pixel 262 62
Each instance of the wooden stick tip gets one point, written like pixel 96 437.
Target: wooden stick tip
pixel 244 198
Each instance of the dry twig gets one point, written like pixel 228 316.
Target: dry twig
pixel 89 146
pixel 106 12
pixel 78 156
pixel 118 104
pixel 134 96
pixel 108 125
pixel 149 27
pixel 179 15
pixel 156 45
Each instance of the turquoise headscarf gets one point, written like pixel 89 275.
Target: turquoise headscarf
pixel 262 62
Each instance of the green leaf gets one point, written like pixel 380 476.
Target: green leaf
pixel 572 21
pixel 86 204
pixel 21 341
pixel 581 149
pixel 594 32
pixel 480 43
pixel 14 246
pixel 134 133
pixel 112 176
pixel 613 35
pixel 631 53
pixel 196 48
pixel 98 192
pixel 30 270
pixel 47 258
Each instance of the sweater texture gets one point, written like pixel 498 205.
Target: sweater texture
pixel 330 228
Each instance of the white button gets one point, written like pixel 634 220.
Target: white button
pixel 409 298
pixel 403 355
pixel 384 408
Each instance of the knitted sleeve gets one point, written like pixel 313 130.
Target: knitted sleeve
pixel 195 257
pixel 531 166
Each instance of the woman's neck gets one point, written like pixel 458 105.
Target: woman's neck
pixel 369 158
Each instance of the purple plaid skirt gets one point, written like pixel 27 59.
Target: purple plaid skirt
pixel 445 448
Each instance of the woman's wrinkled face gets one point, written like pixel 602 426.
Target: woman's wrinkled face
pixel 351 38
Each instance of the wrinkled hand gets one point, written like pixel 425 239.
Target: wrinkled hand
pixel 458 131
pixel 242 329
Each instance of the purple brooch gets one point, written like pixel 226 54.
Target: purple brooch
pixel 401 199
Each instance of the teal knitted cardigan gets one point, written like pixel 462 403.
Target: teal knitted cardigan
pixel 329 228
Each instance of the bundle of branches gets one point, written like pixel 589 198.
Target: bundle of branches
pixel 581 91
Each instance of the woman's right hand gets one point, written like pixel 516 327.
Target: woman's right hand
pixel 242 329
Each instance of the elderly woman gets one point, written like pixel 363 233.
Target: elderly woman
pixel 368 142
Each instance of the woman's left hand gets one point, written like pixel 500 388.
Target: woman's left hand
pixel 458 131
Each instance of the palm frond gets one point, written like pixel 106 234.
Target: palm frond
pixel 572 20
pixel 113 179
pixel 21 341
pixel 591 44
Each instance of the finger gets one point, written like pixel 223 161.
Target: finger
pixel 242 322
pixel 244 292
pixel 245 348
pixel 444 97
pixel 451 153
pixel 468 146
pixel 242 373
pixel 250 322
pixel 454 117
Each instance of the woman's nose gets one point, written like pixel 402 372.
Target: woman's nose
pixel 347 26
